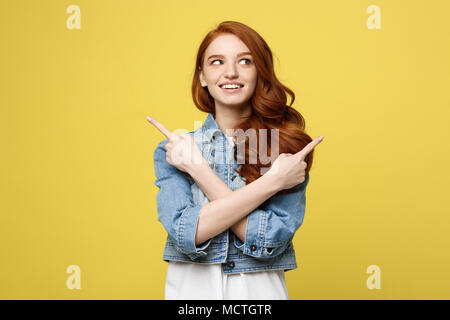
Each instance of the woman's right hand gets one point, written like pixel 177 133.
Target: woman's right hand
pixel 289 169
pixel 181 150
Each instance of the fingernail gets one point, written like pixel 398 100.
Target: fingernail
pixel 149 118
pixel 321 138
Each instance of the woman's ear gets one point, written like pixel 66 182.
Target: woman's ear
pixel 202 80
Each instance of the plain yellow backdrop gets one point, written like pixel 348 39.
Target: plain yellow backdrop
pixel 77 177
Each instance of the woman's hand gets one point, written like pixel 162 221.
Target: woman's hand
pixel 288 169
pixel 181 150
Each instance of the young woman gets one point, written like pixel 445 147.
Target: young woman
pixel 230 216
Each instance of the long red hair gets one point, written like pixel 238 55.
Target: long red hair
pixel 269 101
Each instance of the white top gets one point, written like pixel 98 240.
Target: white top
pixel 194 281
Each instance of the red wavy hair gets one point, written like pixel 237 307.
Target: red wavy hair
pixel 269 101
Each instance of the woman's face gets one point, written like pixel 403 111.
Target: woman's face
pixel 228 60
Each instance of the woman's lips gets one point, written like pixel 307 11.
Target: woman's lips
pixel 236 90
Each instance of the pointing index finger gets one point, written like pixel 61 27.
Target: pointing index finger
pixel 161 128
pixel 309 147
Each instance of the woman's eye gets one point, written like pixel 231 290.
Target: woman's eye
pixel 213 62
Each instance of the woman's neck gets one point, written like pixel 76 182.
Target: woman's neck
pixel 229 118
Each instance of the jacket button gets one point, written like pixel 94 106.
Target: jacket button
pixel 253 247
pixel 231 264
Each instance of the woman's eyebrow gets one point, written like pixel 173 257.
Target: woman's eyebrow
pixel 221 56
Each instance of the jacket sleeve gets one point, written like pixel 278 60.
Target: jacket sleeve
pixel 176 209
pixel 271 227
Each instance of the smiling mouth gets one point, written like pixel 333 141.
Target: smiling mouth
pixel 231 86
pixel 231 89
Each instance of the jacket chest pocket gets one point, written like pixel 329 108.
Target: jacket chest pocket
pixel 216 161
pixel 236 182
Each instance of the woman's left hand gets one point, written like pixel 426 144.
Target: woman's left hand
pixel 181 150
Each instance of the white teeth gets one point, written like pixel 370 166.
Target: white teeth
pixel 231 86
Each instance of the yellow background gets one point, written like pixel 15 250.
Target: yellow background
pixel 77 177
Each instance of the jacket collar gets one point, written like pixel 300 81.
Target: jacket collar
pixel 210 123
pixel 210 129
pixel 211 132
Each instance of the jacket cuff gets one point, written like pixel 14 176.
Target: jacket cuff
pixel 186 231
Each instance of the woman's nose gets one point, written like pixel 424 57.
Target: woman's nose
pixel 231 70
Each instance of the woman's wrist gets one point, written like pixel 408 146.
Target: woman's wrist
pixel 273 182
pixel 208 181
pixel 196 169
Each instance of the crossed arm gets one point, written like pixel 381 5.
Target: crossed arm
pixel 227 208
pixel 192 226
pixel 189 224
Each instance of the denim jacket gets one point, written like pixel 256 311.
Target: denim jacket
pixel 270 227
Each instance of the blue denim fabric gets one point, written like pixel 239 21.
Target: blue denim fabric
pixel 270 227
